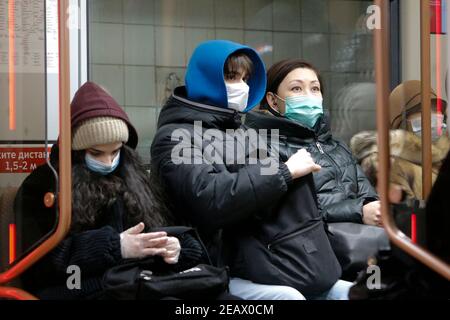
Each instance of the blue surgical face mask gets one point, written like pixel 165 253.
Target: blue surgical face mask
pixel 304 109
pixel 100 167
pixel 438 127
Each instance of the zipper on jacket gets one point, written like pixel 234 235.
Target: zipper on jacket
pixel 293 234
pixel 238 117
pixel 319 146
pixel 335 165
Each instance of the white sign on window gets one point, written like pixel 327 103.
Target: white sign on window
pixel 28 36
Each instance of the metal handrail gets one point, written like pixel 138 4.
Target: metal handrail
pixel 398 238
pixel 65 174
pixel 425 70
pixel 15 294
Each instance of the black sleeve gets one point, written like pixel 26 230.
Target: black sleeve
pixel 349 210
pixel 437 217
pixel 191 252
pixel 92 251
pixel 365 189
pixel 217 198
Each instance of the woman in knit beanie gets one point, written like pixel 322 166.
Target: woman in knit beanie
pixel 114 204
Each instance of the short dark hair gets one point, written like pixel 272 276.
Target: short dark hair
pixel 236 62
pixel 279 71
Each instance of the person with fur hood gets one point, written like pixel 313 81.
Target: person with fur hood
pixel 405 140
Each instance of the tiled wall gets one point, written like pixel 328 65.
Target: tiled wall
pixel 139 48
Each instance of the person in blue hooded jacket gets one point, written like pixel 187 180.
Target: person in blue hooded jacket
pixel 206 160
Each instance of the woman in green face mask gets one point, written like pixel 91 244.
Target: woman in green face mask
pixel 293 105
pixel 298 98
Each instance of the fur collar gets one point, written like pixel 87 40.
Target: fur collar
pixel 408 146
pixel 404 145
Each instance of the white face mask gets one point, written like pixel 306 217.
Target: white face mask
pixel 237 95
pixel 437 121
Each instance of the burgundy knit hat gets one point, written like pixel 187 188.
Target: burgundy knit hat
pixel 90 102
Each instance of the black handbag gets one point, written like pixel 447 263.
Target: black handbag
pixel 354 244
pixel 151 278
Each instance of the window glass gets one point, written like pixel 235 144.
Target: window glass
pixel 27 121
pixel 139 50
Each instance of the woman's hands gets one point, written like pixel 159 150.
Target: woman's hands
pixel 135 244
pixel 301 163
pixel 173 249
pixel 372 214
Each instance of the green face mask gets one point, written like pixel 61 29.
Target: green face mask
pixel 305 110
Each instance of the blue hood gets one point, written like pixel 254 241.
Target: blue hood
pixel 205 79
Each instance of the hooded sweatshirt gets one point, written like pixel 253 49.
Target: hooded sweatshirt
pixel 205 77
pixel 210 195
pixel 239 211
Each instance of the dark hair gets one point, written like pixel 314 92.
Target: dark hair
pixel 279 71
pixel 92 193
pixel 237 62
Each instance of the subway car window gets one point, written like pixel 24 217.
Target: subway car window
pixel 138 50
pixel 419 140
pixel 28 123
pixel 330 66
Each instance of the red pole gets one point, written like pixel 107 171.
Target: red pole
pixel 414 228
pixel 12 243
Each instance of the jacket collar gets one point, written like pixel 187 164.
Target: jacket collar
pixel 179 109
pixel 288 128
pixel 408 146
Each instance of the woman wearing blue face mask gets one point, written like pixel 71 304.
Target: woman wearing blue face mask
pixel 294 104
pixel 114 204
